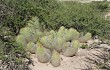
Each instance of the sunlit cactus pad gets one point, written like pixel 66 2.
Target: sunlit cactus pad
pixel 49 45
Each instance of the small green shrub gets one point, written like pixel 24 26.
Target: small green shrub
pixel 101 5
pixel 52 14
pixel 84 46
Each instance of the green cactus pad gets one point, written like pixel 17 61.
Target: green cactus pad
pixel 34 23
pixel 85 38
pixel 52 32
pixel 59 44
pixel 46 41
pixel 42 55
pixel 55 60
pixel 21 40
pixel 73 34
pixel 61 31
pixel 62 28
pixel 65 46
pixel 88 36
pixel 31 47
pixel 72 48
pixel 26 32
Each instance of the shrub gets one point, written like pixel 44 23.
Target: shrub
pixel 101 5
pixel 52 14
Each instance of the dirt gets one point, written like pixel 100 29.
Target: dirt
pixel 84 60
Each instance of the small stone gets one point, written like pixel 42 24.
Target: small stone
pixel 26 60
pixel 104 45
pixel 96 37
pixel 97 46
pixel 90 42
pixel 0 61
pixel 97 41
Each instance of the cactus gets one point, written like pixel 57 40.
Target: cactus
pixel 61 32
pixel 88 36
pixel 26 32
pixel 85 38
pixel 72 48
pixel 52 32
pixel 31 47
pixel 46 33
pixel 34 23
pixel 62 28
pixel 66 35
pixel 21 40
pixel 42 55
pixel 73 34
pixel 50 43
pixel 46 41
pixel 39 33
pixel 59 44
pixel 55 60
pixel 65 46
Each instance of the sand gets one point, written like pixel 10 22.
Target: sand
pixel 84 60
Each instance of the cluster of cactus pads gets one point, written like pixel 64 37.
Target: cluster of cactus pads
pixel 49 45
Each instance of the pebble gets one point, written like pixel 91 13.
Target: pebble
pixel 97 41
pixel 90 42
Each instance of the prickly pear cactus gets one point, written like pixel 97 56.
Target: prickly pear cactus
pixel 65 46
pixel 50 44
pixel 42 55
pixel 88 36
pixel 85 38
pixel 61 32
pixel 55 60
pixel 34 23
pixel 31 47
pixel 73 34
pixel 21 40
pixel 59 44
pixel 46 41
pixel 72 48
pixel 66 35
pixel 27 33
pixel 52 32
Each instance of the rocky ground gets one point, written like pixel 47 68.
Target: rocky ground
pixel 95 57
pixel 84 60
